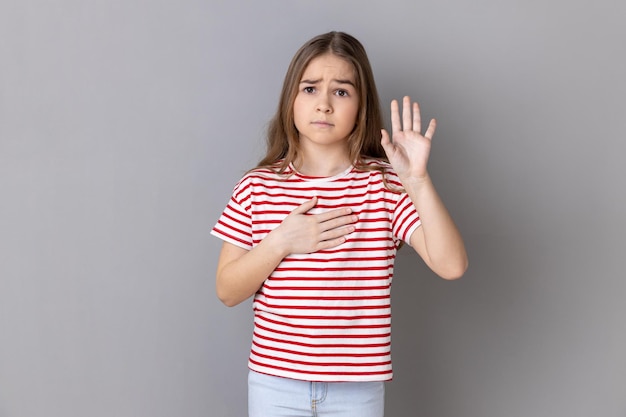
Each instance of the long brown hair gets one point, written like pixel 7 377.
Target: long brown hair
pixel 364 141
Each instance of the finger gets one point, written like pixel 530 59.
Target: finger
pixel 336 236
pixel 306 206
pixel 431 129
pixel 417 118
pixel 396 125
pixel 328 244
pixel 384 137
pixel 338 222
pixel 333 214
pixel 386 142
pixel 406 114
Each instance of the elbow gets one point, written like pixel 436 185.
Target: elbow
pixel 229 291
pixel 227 299
pixel 224 291
pixel 228 302
pixel 452 276
pixel 454 272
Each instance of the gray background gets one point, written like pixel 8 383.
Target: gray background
pixel 125 124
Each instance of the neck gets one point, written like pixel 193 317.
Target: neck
pixel 322 165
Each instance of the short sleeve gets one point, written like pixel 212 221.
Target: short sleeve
pixel 235 224
pixel 405 219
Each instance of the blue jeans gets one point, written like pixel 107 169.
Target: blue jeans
pixel 272 396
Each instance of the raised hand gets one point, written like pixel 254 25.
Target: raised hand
pixel 306 233
pixel 408 150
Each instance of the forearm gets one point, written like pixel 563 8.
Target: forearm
pixel 439 239
pixel 239 276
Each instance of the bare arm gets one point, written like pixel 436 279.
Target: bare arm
pixel 437 241
pixel 241 272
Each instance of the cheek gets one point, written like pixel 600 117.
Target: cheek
pixel 299 115
pixel 298 108
pixel 354 114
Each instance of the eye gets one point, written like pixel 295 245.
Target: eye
pixel 309 90
pixel 342 93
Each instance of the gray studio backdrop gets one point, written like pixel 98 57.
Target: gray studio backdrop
pixel 124 126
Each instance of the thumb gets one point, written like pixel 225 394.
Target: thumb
pixel 386 143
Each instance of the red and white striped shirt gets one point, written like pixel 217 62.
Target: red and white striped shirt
pixel 324 316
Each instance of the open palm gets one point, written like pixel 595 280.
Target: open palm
pixel 408 150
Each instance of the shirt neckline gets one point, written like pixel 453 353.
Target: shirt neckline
pixel 310 178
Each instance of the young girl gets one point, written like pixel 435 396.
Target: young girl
pixel 312 233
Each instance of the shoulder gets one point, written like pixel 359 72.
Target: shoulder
pixel 381 172
pixel 277 169
pixel 381 169
pixel 377 164
pixel 262 175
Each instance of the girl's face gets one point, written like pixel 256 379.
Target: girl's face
pixel 327 103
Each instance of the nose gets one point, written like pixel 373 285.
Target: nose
pixel 323 105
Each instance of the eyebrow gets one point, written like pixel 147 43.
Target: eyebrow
pixel 350 82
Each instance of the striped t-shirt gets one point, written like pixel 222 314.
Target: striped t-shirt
pixel 324 316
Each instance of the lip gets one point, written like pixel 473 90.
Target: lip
pixel 321 123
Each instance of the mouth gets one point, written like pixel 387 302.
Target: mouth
pixel 321 123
